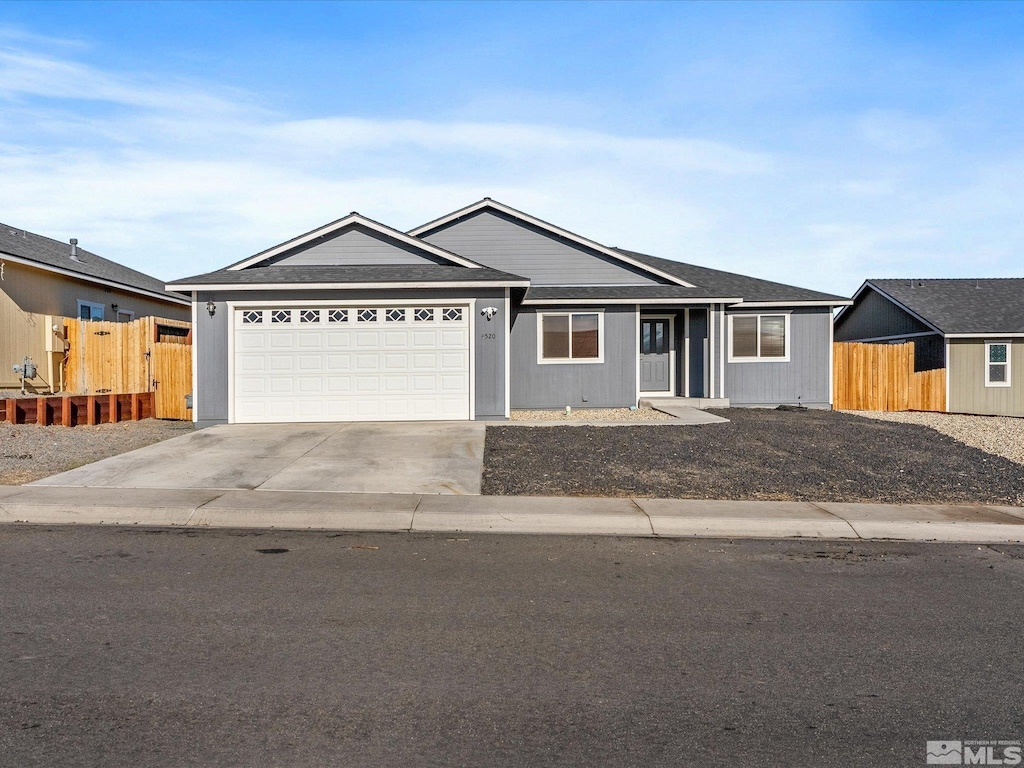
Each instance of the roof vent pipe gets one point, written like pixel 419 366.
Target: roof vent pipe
pixel 74 249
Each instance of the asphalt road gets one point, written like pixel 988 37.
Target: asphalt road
pixel 149 647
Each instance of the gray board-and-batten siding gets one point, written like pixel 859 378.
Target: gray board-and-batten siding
pixel 502 242
pixel 355 245
pixel 805 379
pixel 212 333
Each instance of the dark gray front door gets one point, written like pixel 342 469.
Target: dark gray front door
pixel 655 360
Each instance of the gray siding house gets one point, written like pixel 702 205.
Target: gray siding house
pixel 974 328
pixel 487 310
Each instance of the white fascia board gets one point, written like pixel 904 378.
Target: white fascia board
pixel 355 218
pixel 641 302
pixel 578 239
pixel 98 280
pixel 856 295
pixel 904 307
pixel 827 303
pixel 346 286
pixel 992 335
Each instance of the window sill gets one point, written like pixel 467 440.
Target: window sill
pixel 570 361
pixel 758 360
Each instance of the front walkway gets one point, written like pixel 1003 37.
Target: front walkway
pixel 509 514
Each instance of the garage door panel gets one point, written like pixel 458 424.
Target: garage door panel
pixel 351 364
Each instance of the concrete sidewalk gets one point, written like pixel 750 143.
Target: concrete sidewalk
pixel 509 514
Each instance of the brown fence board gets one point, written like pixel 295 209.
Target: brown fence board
pixel 881 377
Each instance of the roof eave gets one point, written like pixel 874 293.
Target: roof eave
pixel 393 285
pixel 91 279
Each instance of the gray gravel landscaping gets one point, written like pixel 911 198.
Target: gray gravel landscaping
pixel 29 452
pixel 999 435
pixel 759 455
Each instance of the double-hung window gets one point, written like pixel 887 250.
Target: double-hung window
pixel 570 337
pixel 759 338
pixel 997 363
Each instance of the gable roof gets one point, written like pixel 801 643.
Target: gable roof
pixel 349 277
pixel 959 307
pixel 20 246
pixel 487 203
pixel 353 218
pixel 753 290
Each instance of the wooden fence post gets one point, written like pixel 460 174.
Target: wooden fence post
pixel 114 417
pixel 12 411
pixel 90 417
pixel 135 407
pixel 65 411
pixel 42 412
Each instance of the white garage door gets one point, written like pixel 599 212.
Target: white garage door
pixel 390 363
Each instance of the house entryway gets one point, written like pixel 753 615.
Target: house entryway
pixel 657 354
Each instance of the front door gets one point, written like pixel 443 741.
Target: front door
pixel 655 354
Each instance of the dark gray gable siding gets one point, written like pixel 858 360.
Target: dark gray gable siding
pixel 873 316
pixel 353 246
pixel 502 242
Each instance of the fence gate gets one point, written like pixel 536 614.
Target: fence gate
pixel 146 355
pixel 881 377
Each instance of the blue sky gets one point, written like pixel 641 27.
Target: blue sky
pixel 817 144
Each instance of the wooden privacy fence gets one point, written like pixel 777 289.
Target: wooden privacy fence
pixel 881 377
pixel 151 354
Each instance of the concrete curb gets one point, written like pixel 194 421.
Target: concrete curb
pixel 665 518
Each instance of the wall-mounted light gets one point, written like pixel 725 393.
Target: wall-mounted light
pixel 114 307
pixel 489 312
pixel 211 308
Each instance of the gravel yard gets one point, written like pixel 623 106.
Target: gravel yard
pixel 759 454
pixel 29 452
pixel 1001 435
pixel 592 414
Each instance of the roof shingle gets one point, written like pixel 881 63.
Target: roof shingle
pixel 954 306
pixel 52 253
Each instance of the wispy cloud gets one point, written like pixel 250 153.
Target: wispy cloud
pixel 176 176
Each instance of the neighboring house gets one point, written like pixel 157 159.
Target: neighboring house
pixel 43 279
pixel 486 310
pixel 972 328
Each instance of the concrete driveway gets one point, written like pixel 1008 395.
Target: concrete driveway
pixel 396 457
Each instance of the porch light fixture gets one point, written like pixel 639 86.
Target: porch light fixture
pixel 211 308
pixel 489 312
pixel 114 307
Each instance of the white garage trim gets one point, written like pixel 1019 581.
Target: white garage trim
pixel 236 308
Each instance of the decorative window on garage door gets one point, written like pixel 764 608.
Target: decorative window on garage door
pixel 281 316
pixel 252 316
pixel 451 313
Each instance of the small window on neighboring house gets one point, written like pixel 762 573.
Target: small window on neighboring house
pixel 89 310
pixel 570 337
pixel 997 364
pixel 758 338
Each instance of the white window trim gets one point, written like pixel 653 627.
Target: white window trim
pixel 92 305
pixel 541 360
pixel 1008 364
pixel 758 359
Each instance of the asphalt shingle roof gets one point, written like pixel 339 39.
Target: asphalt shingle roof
pixel 719 283
pixel 53 253
pixel 385 273
pixel 637 292
pixel 985 305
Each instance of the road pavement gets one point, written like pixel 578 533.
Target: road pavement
pixel 154 647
